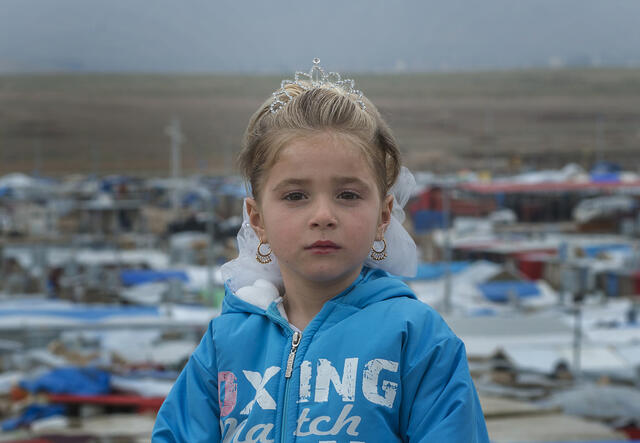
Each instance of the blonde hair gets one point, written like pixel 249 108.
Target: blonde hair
pixel 312 111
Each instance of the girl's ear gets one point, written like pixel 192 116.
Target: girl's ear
pixel 255 219
pixel 385 216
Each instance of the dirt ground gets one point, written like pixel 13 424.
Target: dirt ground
pixel 495 121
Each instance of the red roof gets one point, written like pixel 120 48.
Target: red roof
pixel 137 401
pixel 493 188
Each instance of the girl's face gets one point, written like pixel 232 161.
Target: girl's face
pixel 320 210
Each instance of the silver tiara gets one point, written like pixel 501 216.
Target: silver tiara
pixel 315 78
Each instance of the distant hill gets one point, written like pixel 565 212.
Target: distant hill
pixel 498 121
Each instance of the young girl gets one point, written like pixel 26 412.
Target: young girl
pixel 317 342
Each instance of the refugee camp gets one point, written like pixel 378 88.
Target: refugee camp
pixel 335 222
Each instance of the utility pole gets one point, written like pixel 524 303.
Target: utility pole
pixel 446 215
pixel 599 138
pixel 95 160
pixel 489 147
pixel 174 132
pixel 210 244
pixel 37 157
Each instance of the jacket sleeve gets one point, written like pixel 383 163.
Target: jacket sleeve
pixel 440 402
pixel 191 412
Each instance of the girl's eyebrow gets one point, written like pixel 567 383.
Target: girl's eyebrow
pixel 291 182
pixel 340 181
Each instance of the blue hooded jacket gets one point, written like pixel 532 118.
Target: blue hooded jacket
pixel 374 365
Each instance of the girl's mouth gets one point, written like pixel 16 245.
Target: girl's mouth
pixel 323 247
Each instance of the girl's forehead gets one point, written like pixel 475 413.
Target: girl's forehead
pixel 322 153
pixel 321 156
pixel 326 146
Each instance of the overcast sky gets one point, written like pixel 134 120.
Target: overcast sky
pixel 274 36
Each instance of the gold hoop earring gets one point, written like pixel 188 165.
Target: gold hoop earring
pixel 381 254
pixel 262 258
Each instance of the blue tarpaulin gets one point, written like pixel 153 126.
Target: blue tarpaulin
pixel 594 250
pixel 433 271
pixel 108 184
pixel 603 167
pixel 607 177
pixel 502 291
pixel 605 172
pixel 425 220
pixel 612 284
pixel 131 277
pixel 70 380
pixel 32 413
pixel 193 198
pixel 232 189
pixel 83 312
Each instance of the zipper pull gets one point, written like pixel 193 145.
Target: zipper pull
pixel 295 341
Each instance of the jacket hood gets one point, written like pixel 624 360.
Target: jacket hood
pixel 371 286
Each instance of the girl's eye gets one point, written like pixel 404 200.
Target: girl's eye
pixel 348 195
pixel 294 196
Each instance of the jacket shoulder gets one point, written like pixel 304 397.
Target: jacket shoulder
pixel 419 319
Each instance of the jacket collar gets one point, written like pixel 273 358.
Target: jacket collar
pixel 371 286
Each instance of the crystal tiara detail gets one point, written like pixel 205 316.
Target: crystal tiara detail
pixel 315 78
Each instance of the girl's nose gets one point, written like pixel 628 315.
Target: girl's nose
pixel 323 217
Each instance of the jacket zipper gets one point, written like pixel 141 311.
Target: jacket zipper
pixel 295 341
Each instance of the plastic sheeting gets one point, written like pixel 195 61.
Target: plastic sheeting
pixel 503 291
pixel 432 271
pixel 598 249
pixel 70 380
pixel 617 404
pixel 81 312
pixel 130 277
pixel 31 414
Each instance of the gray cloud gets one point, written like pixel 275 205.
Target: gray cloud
pixel 357 35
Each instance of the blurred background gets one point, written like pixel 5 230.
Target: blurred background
pixel 120 123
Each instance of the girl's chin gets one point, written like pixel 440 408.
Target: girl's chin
pixel 331 275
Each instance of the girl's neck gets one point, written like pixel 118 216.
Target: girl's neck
pixel 304 299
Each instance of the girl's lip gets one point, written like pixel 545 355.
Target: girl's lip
pixel 323 244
